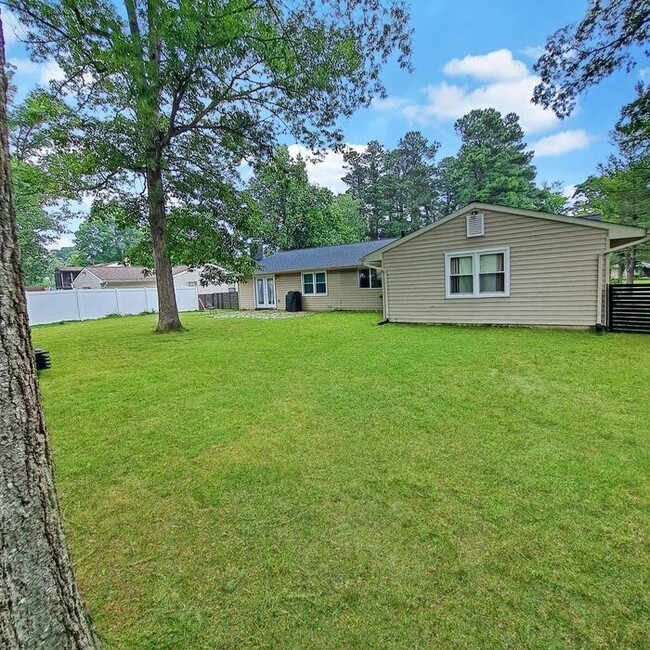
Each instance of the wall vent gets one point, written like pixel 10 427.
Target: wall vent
pixel 475 224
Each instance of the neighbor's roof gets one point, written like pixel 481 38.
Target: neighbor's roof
pixel 127 273
pixel 325 257
pixel 69 268
pixel 616 231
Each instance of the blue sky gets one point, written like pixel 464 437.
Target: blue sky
pixel 469 54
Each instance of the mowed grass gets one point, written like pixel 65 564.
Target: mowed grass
pixel 323 482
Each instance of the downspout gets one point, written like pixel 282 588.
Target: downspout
pixel 599 308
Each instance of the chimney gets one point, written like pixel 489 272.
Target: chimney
pixel 256 251
pixel 402 233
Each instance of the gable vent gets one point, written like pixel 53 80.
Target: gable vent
pixel 475 224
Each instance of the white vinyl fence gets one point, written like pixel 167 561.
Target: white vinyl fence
pixel 86 304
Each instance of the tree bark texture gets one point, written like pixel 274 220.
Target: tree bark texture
pixel 168 319
pixel 40 604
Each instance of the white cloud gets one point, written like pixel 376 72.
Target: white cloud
pixel 60 243
pixel 497 80
pixel 499 65
pixel 245 171
pixel 533 51
pixel 644 74
pixel 569 191
pixel 45 72
pixel 328 170
pixel 87 202
pixel 561 143
pixel 449 101
pixel 388 103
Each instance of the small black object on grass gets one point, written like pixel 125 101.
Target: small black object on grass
pixel 42 359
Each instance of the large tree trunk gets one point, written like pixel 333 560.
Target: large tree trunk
pixel 40 605
pixel 168 319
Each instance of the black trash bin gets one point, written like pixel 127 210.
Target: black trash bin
pixel 293 301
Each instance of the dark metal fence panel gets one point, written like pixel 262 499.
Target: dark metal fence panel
pixel 228 300
pixel 629 308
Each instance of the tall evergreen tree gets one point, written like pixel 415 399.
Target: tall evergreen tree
pixel 411 177
pixel 493 164
pixel 448 185
pixel 366 178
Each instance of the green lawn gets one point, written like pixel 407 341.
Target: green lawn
pixel 322 482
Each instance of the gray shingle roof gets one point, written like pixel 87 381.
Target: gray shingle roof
pixel 127 273
pixel 326 257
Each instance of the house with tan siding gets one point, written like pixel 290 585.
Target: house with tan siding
pixel 329 278
pixel 118 276
pixel 488 264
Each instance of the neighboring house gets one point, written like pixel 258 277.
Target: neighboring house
pixel 64 276
pixel 329 278
pixel 104 276
pixel 497 265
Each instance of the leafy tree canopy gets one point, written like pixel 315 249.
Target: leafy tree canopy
pixel 297 214
pixel 40 202
pixel 612 35
pixel 621 194
pixel 632 131
pixel 105 238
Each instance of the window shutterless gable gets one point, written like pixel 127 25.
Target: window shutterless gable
pixel 314 283
pixel 481 273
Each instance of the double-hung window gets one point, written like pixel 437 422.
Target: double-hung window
pixel 314 283
pixel 476 274
pixel 369 278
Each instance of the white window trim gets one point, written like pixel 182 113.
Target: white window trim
pixel 475 272
pixel 368 268
pixel 314 295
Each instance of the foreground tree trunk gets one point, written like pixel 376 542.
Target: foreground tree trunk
pixel 168 319
pixel 40 605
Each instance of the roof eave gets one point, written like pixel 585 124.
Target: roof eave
pixel 302 269
pixel 618 243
